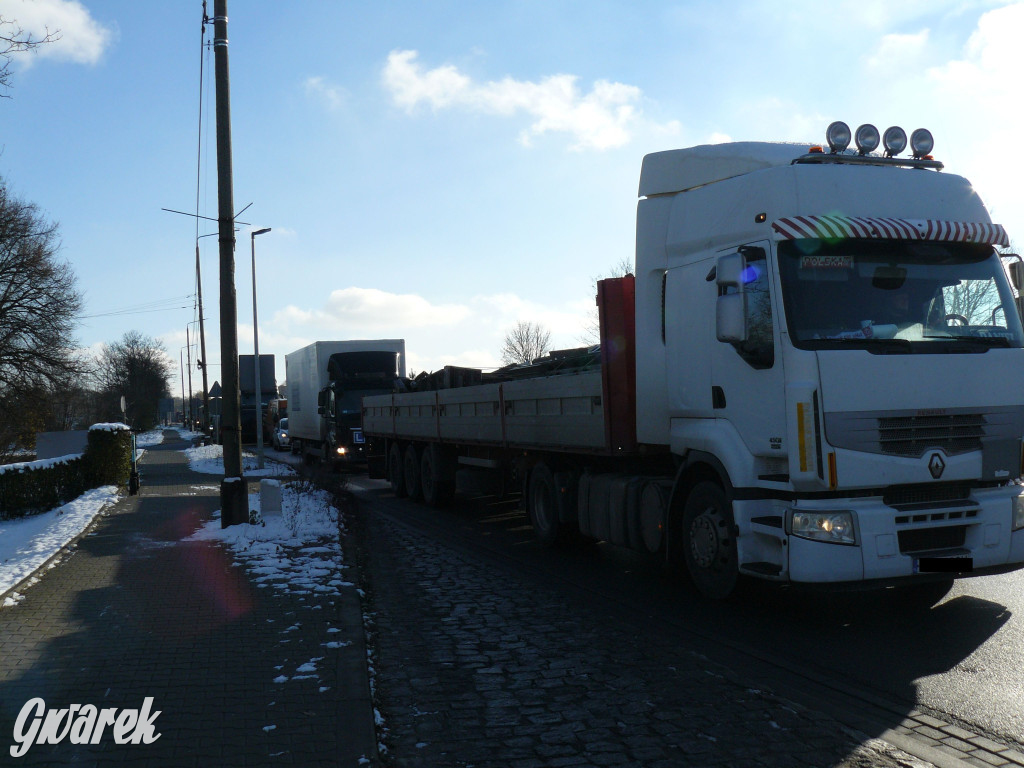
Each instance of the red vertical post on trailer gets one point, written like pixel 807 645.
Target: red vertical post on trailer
pixel 616 308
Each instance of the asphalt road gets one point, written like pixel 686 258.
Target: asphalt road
pixel 957 652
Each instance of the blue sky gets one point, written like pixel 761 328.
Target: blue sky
pixel 439 171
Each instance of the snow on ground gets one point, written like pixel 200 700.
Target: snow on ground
pixel 28 542
pixel 209 460
pixel 296 551
pixel 146 439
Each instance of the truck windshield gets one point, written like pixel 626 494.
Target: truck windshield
pixel 897 296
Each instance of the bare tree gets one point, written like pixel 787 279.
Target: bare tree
pixel 137 368
pixel 525 342
pixel 13 39
pixel 592 328
pixel 38 300
pixel 974 300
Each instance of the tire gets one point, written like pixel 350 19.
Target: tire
pixel 709 541
pixel 396 474
pixel 542 505
pixel 437 476
pixel 411 472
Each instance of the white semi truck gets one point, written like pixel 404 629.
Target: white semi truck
pixel 326 383
pixel 815 376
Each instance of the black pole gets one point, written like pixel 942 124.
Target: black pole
pixel 233 493
pixel 191 400
pixel 202 349
pixel 199 274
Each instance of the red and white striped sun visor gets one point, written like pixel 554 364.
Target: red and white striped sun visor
pixel 839 227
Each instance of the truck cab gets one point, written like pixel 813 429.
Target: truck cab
pixel 840 356
pixel 352 375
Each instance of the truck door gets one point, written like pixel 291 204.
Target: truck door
pixel 747 380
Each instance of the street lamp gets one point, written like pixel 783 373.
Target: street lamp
pixel 256 350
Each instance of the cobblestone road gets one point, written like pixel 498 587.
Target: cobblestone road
pixel 477 664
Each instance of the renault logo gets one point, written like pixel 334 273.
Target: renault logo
pixel 936 465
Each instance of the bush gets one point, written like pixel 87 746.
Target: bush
pixel 39 486
pixel 108 455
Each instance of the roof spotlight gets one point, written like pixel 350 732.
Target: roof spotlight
pixel 867 138
pixel 921 142
pixel 838 136
pixel 894 140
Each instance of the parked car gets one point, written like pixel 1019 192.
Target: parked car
pixel 280 440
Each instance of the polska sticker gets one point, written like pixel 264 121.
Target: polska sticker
pixel 826 262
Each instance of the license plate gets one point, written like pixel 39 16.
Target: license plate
pixel 357 437
pixel 943 564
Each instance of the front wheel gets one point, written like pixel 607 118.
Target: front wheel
pixel 709 541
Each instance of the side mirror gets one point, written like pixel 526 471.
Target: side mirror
pixel 729 272
pixel 1016 269
pixel 731 307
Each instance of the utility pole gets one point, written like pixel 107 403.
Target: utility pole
pixel 188 357
pixel 202 348
pixel 181 369
pixel 234 496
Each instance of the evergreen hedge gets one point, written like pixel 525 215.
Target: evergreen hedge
pixel 39 486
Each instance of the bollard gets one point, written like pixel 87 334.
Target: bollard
pixel 270 498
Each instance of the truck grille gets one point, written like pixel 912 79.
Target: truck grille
pixel 912 497
pixel 911 436
pixel 931 539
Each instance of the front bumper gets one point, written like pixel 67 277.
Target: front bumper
pixel 895 543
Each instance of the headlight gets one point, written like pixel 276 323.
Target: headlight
pixel 341 450
pixel 921 142
pixel 867 138
pixel 1018 512
pixel 833 527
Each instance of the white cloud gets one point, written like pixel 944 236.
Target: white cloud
pixel 991 61
pixel 333 97
pixel 895 52
pixel 981 94
pixel 82 39
pixel 436 334
pixel 602 119
pixel 360 310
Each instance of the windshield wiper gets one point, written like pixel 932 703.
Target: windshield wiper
pixel 984 341
pixel 884 346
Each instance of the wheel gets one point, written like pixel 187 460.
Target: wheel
pixel 959 318
pixel 411 472
pixel 437 476
pixel 542 504
pixel 709 541
pixel 396 475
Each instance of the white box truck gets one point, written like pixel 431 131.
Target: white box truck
pixel 326 383
pixel 815 376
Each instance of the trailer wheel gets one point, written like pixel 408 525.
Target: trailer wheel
pixel 709 541
pixel 411 472
pixel 542 504
pixel 396 475
pixel 437 476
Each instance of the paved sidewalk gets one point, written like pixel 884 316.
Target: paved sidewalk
pixel 138 611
